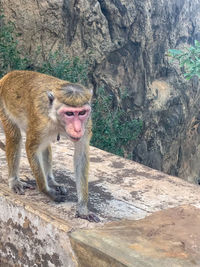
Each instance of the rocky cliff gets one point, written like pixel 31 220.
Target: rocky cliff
pixel 128 42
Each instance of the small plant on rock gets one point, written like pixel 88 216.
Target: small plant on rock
pixel 188 59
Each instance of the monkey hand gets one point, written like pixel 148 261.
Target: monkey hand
pixel 55 194
pixel 60 189
pixel 91 217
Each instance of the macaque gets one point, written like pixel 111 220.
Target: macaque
pixel 45 108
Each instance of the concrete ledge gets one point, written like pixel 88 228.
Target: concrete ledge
pixel 30 236
pixel 166 238
pixel 35 231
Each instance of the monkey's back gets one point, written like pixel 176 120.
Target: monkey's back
pixel 23 93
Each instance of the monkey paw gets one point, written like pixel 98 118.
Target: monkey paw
pixel 18 186
pixel 55 195
pixel 60 189
pixel 91 217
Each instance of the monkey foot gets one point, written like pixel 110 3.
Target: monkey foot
pixel 91 217
pixel 60 189
pixel 31 184
pixel 55 195
pixel 18 187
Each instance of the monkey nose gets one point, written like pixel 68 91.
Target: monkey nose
pixel 77 127
pixel 77 130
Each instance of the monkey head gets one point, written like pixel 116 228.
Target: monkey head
pixel 73 110
pixel 74 120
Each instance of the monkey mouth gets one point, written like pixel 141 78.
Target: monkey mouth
pixel 75 138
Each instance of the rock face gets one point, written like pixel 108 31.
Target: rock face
pixel 128 42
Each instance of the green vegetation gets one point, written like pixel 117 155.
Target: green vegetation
pixel 189 59
pixel 55 64
pixel 113 130
pixel 9 54
pixel 64 67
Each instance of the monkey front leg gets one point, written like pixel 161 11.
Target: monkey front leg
pixel 47 163
pixel 81 168
pixel 35 158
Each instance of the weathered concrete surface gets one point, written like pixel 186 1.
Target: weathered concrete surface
pixel 34 230
pixel 30 236
pixel 166 238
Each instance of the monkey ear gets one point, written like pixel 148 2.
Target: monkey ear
pixel 50 96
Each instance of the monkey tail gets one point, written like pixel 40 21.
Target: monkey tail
pixel 2 146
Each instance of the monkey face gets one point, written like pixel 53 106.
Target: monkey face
pixel 74 120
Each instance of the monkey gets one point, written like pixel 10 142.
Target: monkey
pixel 45 107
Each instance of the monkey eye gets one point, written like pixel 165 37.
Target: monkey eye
pixel 69 113
pixel 83 112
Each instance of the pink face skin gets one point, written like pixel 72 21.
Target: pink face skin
pixel 74 119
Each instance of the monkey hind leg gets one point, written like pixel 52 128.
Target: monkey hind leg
pixel 47 163
pixel 13 151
